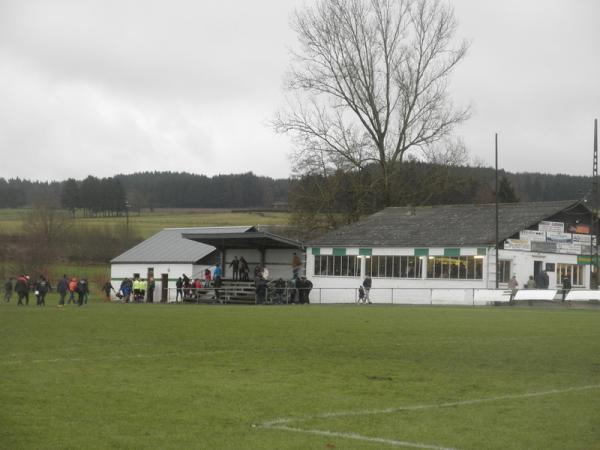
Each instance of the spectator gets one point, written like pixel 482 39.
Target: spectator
pixel 106 288
pixel 244 269
pixel 62 288
pixel 235 268
pixel 261 290
pixel 179 289
pixel 80 289
pixel 304 287
pixel 22 290
pixel 566 287
pixel 296 265
pixel 151 285
pixel 8 290
pixel 530 283
pixel 513 284
pixel 279 290
pixel 367 282
pixel 207 278
pixel 72 290
pixel 41 289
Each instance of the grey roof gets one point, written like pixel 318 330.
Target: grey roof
pixel 253 237
pixel 446 225
pixel 169 246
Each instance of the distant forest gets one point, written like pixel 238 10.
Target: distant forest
pixel 149 190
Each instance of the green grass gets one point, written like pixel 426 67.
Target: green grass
pixel 148 223
pixel 173 377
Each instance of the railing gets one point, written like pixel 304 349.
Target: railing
pixel 394 296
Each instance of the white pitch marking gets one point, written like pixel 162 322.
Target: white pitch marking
pixel 286 420
pixel 114 357
pixel 358 437
pixel 280 424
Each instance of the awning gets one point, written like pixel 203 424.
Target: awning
pixel 246 240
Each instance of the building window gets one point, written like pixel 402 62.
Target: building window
pixel 504 271
pixel 571 271
pixel 455 267
pixel 394 266
pixel 337 266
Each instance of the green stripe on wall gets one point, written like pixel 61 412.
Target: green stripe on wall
pixel 316 251
pixel 452 252
pixel 481 251
pixel 365 251
pixel 339 252
pixel 421 252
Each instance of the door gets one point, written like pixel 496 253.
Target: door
pixel 164 287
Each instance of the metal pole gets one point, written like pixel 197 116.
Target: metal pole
pixel 594 207
pixel 497 231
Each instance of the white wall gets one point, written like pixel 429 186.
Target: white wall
pixel 394 290
pixel 522 265
pixel 120 271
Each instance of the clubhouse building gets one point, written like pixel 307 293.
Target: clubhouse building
pixel 411 253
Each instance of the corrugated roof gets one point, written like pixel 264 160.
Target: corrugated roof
pixel 446 225
pixel 168 246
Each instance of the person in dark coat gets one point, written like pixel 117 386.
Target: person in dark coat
pixel 41 289
pixel 22 290
pixel 235 268
pixel 80 290
pixel 260 290
pixel 304 287
pixel 8 290
pixel 106 288
pixel 62 288
pixel 566 287
pixel 244 269
pixel 150 290
pixel 367 287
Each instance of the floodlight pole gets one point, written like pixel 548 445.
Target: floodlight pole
pixel 497 232
pixel 594 208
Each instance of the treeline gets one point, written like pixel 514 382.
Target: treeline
pixel 185 190
pixel 320 203
pixel 415 183
pixel 147 190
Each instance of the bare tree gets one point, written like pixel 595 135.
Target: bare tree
pixel 369 84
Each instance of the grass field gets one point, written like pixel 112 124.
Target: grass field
pixel 298 377
pixel 147 223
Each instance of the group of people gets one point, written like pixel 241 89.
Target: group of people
pixel 24 285
pixel 240 271
pixel 133 290
pixel 190 289
pixel 540 281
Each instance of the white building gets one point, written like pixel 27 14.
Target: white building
pixel 412 252
pixel 173 252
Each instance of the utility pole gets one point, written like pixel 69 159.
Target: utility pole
pixel 497 219
pixel 594 209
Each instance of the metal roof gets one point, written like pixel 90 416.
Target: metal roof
pixel 249 238
pixel 447 225
pixel 167 246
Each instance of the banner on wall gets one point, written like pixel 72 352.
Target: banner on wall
pixel 578 228
pixel 583 239
pixel 543 247
pixel 552 227
pixel 562 238
pixel 573 249
pixel 517 244
pixel 533 235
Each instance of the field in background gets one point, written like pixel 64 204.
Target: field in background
pixel 298 377
pixel 148 223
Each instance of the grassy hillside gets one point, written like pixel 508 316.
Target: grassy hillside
pixel 147 223
pixel 298 377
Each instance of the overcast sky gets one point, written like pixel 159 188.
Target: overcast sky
pixel 119 86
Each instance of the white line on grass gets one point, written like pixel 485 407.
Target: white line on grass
pixel 283 423
pixel 115 357
pixel 286 420
pixel 358 437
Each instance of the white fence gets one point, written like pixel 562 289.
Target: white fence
pixel 402 296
